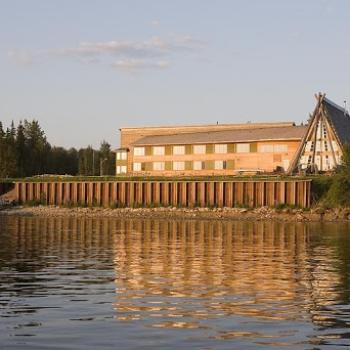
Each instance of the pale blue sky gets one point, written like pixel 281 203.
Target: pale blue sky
pixel 85 68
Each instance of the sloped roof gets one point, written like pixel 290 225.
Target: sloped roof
pixel 226 136
pixel 340 120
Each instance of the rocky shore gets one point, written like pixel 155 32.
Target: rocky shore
pixel 263 213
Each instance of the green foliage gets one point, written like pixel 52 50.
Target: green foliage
pixel 319 187
pixel 335 191
pixel 25 151
pixel 339 192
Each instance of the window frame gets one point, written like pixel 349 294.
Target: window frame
pixel 158 163
pixel 202 147
pixel 141 154
pixel 220 148
pixel 178 162
pixel 176 149
pixel 154 152
pixel 245 144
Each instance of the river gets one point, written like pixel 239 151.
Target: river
pixel 79 283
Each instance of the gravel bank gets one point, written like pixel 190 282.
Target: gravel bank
pixel 263 213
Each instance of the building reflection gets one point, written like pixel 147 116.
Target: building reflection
pixel 178 274
pixel 196 270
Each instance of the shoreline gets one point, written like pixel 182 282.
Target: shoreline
pixel 262 213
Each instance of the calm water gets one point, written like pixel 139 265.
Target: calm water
pixel 146 284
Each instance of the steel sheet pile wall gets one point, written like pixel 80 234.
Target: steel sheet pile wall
pixel 164 194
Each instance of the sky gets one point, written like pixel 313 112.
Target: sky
pixel 85 68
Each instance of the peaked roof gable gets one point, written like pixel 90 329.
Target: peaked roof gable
pixel 338 120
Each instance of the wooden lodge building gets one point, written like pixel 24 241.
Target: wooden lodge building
pixel 230 149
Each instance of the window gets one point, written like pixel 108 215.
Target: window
pixel 198 165
pixel 324 132
pixel 319 131
pixel 179 150
pixel 199 149
pixel 326 146
pixel 266 148
pixel 243 147
pixel 178 165
pixel 121 169
pixel 222 148
pixel 280 148
pixel 139 151
pixel 159 166
pixel 121 155
pixel 137 166
pixel 308 146
pixel 158 150
pixel 220 165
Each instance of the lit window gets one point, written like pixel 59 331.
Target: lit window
pixel 280 148
pixel 121 155
pixel 198 165
pixel 178 165
pixel 199 149
pixel 266 148
pixel 137 166
pixel 308 146
pixel 139 151
pixel 158 150
pixel 243 147
pixel 179 150
pixel 222 148
pixel 158 166
pixel 219 165
pixel 121 169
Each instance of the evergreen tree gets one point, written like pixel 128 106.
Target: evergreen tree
pixel 25 151
pixel 107 159
pixel 20 150
pixel 37 147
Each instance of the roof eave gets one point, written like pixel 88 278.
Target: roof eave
pixel 216 142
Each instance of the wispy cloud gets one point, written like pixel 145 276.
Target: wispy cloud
pixel 126 55
pixel 132 65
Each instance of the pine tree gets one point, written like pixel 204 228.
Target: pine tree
pixel 20 150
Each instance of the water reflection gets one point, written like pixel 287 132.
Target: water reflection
pixel 202 284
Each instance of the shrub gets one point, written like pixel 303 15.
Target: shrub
pixel 338 194
pixel 320 187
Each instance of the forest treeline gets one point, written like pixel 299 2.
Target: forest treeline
pixel 25 151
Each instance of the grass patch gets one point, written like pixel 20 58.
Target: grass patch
pixel 154 178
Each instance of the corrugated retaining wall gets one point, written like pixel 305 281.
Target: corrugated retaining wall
pixel 177 194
